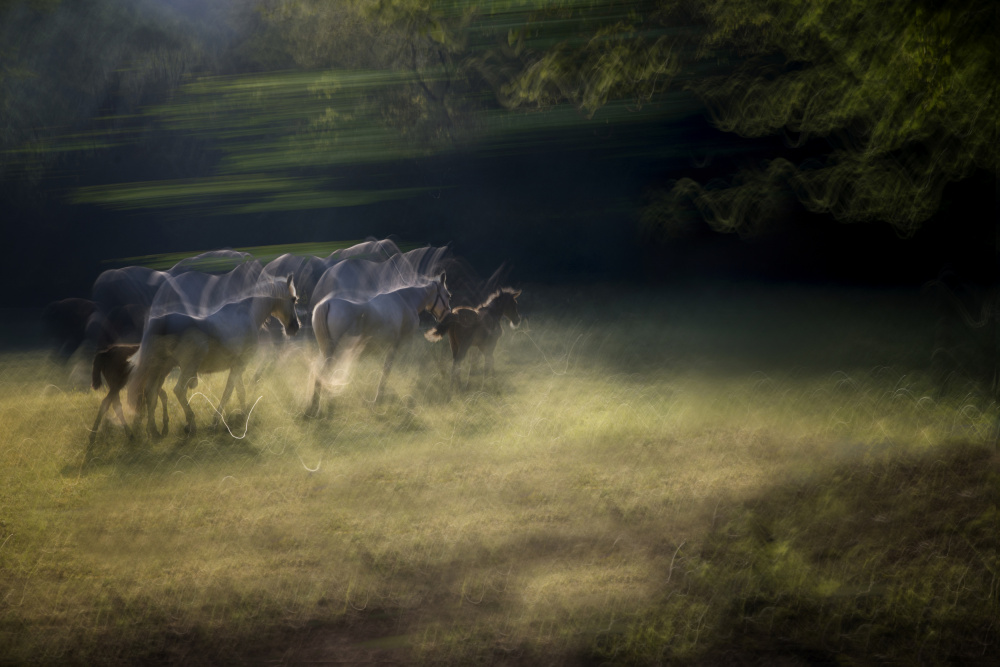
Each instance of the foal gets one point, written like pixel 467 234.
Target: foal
pixel 478 326
pixel 113 364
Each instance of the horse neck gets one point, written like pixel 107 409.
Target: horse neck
pixel 418 297
pixel 261 307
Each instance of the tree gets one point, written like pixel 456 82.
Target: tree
pixel 904 92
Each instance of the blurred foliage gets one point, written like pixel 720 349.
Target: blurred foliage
pixel 885 104
pixel 904 93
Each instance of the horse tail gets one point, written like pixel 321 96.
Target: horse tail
pixel 100 360
pixel 321 328
pixel 139 367
pixel 438 332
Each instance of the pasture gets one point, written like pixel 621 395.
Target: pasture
pixel 721 475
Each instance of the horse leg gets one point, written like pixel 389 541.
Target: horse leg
pixel 187 376
pixel 163 401
pixel 459 348
pixel 458 354
pixel 100 414
pixel 241 393
pixel 149 407
pixel 471 368
pixel 154 388
pixel 235 376
pixel 313 408
pixel 456 369
pixel 488 370
pixel 116 402
pixel 386 367
pixel 327 346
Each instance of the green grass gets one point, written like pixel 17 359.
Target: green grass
pixel 735 475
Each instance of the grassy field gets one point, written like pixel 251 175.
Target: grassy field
pixel 732 475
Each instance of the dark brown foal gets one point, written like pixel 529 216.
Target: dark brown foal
pixel 113 364
pixel 479 327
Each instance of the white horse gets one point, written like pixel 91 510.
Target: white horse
pixel 388 317
pixel 225 339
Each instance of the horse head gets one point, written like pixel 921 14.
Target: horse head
pixel 510 305
pixel 441 305
pixel 284 306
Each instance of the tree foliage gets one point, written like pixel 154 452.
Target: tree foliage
pixel 904 92
pixel 901 95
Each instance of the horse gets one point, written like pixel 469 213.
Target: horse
pixel 113 364
pixel 478 326
pixel 387 317
pixel 224 339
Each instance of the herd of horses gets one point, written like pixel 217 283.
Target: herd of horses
pixel 208 314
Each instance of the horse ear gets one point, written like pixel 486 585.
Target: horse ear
pixel 443 276
pixel 517 294
pixel 291 287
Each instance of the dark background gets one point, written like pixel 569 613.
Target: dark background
pixel 566 211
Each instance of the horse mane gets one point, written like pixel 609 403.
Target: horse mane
pixel 276 286
pixel 496 295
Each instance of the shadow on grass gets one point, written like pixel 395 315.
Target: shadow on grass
pixel 725 328
pixel 122 456
pixel 890 560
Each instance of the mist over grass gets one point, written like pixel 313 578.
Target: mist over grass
pixel 725 474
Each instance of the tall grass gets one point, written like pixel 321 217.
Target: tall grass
pixel 732 474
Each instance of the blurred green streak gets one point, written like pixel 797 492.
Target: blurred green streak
pixel 234 194
pixel 264 253
pixel 327 199
pixel 180 192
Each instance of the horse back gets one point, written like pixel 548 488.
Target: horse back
pixel 346 317
pixel 385 317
